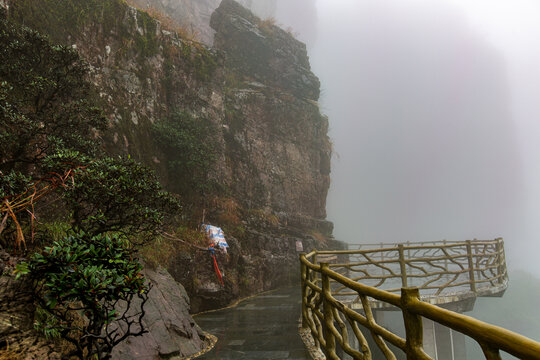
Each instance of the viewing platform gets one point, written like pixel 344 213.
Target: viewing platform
pixel 448 274
pixel 350 300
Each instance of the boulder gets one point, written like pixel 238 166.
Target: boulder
pixel 172 332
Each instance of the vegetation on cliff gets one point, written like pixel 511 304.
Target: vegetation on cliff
pixel 70 18
pixel 54 171
pixel 189 150
pixel 50 126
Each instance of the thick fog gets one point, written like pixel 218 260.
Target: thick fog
pixel 433 110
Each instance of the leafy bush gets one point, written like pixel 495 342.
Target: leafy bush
pixel 46 107
pixel 45 99
pixel 89 284
pixel 48 124
pixel 87 287
pixel 119 195
pixel 13 183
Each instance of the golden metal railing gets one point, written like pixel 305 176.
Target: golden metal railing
pixel 437 269
pixel 326 309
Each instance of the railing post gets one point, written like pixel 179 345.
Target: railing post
pixel 445 260
pixel 314 274
pixel 500 257
pixel 303 280
pixel 490 353
pixel 407 269
pixel 330 348
pixel 471 266
pixel 477 258
pixel 413 325
pixel 402 266
pixel 382 257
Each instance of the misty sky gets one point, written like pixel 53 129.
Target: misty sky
pixel 433 110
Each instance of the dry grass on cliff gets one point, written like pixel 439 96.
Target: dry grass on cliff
pixel 8 354
pixel 167 22
pixel 159 252
pixel 319 237
pixel 229 211
pixel 265 216
pixel 162 250
pixel 268 24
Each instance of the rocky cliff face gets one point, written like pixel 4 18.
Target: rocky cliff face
pixel 275 133
pixel 257 89
pixel 194 15
pixel 264 257
pixel 261 50
pixel 274 152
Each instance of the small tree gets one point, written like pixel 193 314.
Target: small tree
pixel 46 107
pixel 91 293
pixel 118 195
pixel 45 100
pixel 48 125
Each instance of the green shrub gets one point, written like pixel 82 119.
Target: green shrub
pixel 13 183
pixel 45 100
pixel 86 289
pixel 87 282
pixel 119 195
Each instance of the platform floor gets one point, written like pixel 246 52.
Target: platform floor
pixel 264 328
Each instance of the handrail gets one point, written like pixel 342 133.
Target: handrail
pixel 331 321
pixel 437 268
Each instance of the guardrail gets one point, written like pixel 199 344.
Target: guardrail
pixel 441 270
pixel 332 321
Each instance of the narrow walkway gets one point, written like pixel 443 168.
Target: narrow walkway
pixel 263 328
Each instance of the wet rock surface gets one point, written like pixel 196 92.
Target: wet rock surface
pixel 172 332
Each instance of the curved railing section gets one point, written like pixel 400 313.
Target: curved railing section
pixel 441 270
pixel 437 270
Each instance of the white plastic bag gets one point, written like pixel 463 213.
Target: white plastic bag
pixel 216 236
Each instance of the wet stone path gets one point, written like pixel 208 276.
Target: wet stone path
pixel 264 327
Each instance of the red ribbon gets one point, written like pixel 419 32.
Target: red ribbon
pixel 218 273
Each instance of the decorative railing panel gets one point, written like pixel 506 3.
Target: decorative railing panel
pixel 437 269
pixel 462 266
